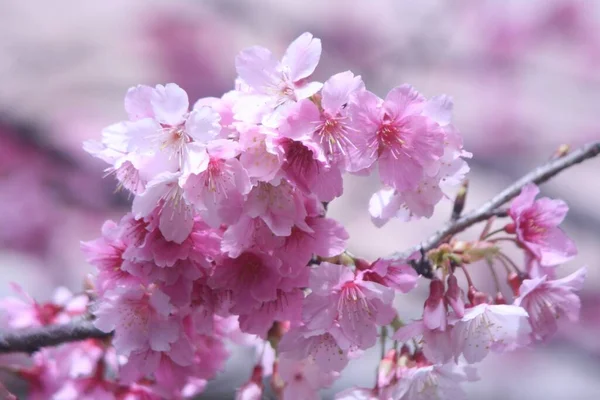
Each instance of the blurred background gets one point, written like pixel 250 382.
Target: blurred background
pixel 525 78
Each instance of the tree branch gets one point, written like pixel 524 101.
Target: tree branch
pixel 539 175
pixel 33 339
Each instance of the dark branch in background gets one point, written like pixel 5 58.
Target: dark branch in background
pixel 33 339
pixel 539 175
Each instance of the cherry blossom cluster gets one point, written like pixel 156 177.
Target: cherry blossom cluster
pixel 228 240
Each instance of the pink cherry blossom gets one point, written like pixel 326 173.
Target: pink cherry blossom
pixel 217 190
pixel 547 300
pixel 328 350
pixel 433 382
pixel 280 207
pixel 488 327
pixel 139 317
pixel 283 81
pixel 303 379
pixel 436 344
pixel 536 225
pixel 358 305
pixel 397 135
pixel 435 313
pixel 164 196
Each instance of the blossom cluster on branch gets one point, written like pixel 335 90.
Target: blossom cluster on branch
pixel 228 240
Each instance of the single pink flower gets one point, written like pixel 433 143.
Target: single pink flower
pixel 303 378
pixel 488 327
pixel 397 135
pixel 358 305
pixel 433 382
pixel 280 207
pixel 284 81
pixel 328 350
pixel 164 196
pixel 329 125
pixel 217 190
pixel 547 301
pixel 140 318
pixel 536 225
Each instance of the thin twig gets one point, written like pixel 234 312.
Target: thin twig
pixel 33 339
pixel 539 175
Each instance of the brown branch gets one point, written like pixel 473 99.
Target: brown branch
pixel 539 175
pixel 31 340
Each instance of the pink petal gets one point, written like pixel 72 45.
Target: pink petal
pixel 137 102
pixel 302 56
pixel 256 66
pixel 439 108
pixel 169 103
pixel 203 124
pixel 336 91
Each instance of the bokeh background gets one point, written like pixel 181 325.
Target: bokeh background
pixel 524 75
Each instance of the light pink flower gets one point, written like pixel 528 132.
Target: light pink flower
pixel 139 317
pixel 164 196
pixel 358 305
pixel 436 344
pixel 260 156
pixel 286 307
pixel 328 350
pixel 218 189
pixel 303 378
pixel 433 382
pixel 536 225
pixel 547 301
pixel 284 81
pixel 280 207
pixel 397 135
pixel 488 327
pixel 19 314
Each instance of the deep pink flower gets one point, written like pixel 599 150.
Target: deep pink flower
pixel 547 301
pixel 252 278
pixel 488 327
pixel 396 134
pixel 435 312
pixel 358 305
pixel 536 225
